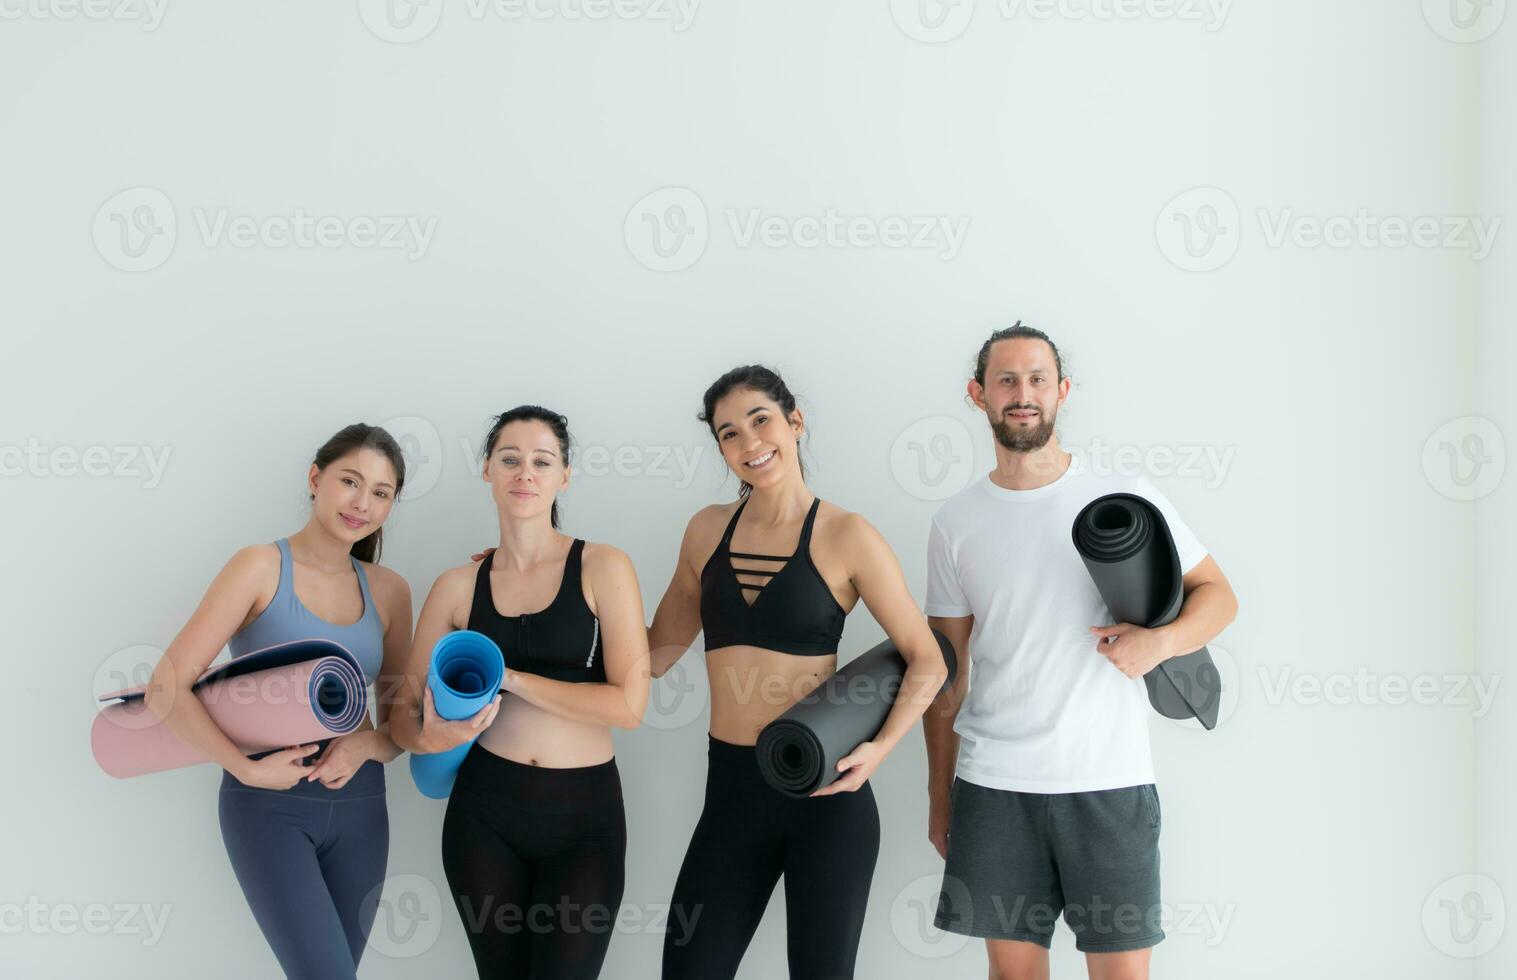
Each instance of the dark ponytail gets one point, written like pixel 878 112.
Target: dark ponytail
pixel 531 413
pixel 350 439
pixel 754 377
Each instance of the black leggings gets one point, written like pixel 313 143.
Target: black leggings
pixel 535 860
pixel 750 834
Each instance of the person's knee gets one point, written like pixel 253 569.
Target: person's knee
pixel 1017 971
pixel 1119 966
pixel 1015 960
pixel 1123 973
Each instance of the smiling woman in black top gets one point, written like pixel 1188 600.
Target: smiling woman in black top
pixel 534 840
pixel 770 579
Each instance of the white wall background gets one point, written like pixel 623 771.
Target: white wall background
pixel 1313 833
pixel 1495 515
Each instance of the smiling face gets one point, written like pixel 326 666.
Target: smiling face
pixel 1022 393
pixel 756 440
pixel 526 469
pixel 352 496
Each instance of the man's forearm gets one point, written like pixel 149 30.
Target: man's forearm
pixel 1208 609
pixel 942 742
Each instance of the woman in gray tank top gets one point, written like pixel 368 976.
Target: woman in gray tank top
pixel 306 827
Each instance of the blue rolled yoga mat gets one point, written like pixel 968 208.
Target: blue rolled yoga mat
pixel 465 675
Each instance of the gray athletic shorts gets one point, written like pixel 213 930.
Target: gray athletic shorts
pixel 1016 860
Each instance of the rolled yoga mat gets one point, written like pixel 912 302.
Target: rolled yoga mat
pixel 798 752
pixel 288 694
pixel 465 675
pixel 1130 553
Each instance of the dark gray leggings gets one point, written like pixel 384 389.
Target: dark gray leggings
pixel 310 862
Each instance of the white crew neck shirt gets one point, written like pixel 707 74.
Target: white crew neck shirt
pixel 1046 712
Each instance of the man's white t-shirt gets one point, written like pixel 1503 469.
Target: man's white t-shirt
pixel 1046 712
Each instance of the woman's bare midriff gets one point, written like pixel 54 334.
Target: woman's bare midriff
pixel 751 686
pixel 525 733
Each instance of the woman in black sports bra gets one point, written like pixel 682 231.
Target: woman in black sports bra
pixel 773 615
pixel 534 840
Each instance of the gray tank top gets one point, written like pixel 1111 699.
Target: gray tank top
pixel 286 618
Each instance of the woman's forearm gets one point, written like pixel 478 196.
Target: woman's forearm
pixel 676 622
pixel 403 726
pixel 382 746
pixel 664 647
pixel 595 703
pixel 661 658
pixel 183 714
pixel 923 679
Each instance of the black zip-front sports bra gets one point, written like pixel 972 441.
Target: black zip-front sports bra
pixel 795 611
pixel 561 642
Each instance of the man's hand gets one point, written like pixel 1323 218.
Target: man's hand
pixel 1134 650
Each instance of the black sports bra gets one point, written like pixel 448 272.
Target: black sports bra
pixel 795 611
pixel 561 642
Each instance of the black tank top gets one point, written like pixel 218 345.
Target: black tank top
pixel 561 642
pixel 794 612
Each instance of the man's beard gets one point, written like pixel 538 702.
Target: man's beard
pixel 1020 438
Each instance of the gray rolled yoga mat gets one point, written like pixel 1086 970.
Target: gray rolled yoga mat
pixel 798 752
pixel 1130 553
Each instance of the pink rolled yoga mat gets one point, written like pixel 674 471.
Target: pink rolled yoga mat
pixel 288 694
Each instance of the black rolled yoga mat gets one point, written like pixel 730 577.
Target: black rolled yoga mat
pixel 798 752
pixel 1130 553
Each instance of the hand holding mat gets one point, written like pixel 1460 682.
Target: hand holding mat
pixel 1130 553
pixel 465 675
pixel 798 752
pixel 287 694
